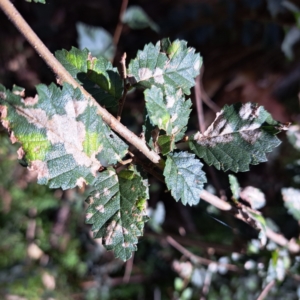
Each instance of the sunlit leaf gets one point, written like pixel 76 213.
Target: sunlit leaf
pixel 184 177
pixel 175 66
pixel 240 135
pixel 117 210
pixel 62 137
pixel 97 75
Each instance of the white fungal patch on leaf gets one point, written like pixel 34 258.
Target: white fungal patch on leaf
pixel 158 76
pixel 170 101
pixel 40 167
pixel 174 117
pixel 3 112
pixel 249 111
pixel 80 181
pixel 144 74
pixel 21 153
pixel 35 116
pixel 100 208
pixel 30 101
pixel 251 136
pixel 88 216
pixel 106 192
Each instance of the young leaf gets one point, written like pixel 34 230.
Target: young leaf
pixel 117 210
pixel 240 135
pixel 176 66
pixel 62 136
pixel 169 112
pixel 291 198
pixel 184 177
pixel 90 71
pixel 96 39
pixel 136 18
pixel 234 186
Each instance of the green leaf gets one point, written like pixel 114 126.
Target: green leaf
pixel 63 138
pixel 177 68
pixel 291 198
pixel 136 18
pixel 96 39
pixel 117 210
pixel 169 112
pixel 184 177
pixel 89 71
pixel 234 186
pixel 240 135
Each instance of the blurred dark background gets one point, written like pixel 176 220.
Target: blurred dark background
pixel 251 53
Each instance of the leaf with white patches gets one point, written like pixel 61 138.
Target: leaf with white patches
pixel 164 64
pixel 291 198
pixel 240 135
pixel 62 137
pixel 97 75
pixel 117 210
pixel 184 177
pixel 169 112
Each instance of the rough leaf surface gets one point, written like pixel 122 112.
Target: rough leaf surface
pixel 291 198
pixel 62 137
pixel 117 210
pixel 172 64
pixel 240 135
pixel 97 75
pixel 184 177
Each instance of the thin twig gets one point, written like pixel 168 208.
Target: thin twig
pixel 128 269
pixel 199 106
pixel 64 76
pixel 197 259
pixel 119 27
pixel 266 290
pixel 124 76
pixel 279 239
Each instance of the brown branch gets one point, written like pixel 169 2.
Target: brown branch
pixel 64 76
pixel 197 259
pixel 119 27
pixel 199 106
pixel 266 290
pixel 124 76
pixel 128 269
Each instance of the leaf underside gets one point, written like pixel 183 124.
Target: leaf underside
pixel 184 177
pixel 97 75
pixel 62 137
pixel 240 135
pixel 117 210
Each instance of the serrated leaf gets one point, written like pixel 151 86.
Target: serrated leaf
pixel 293 135
pixel 136 18
pixel 96 39
pixel 169 112
pixel 177 68
pixel 117 210
pixel 291 198
pixel 97 75
pixel 184 177
pixel 234 186
pixel 240 135
pixel 63 138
